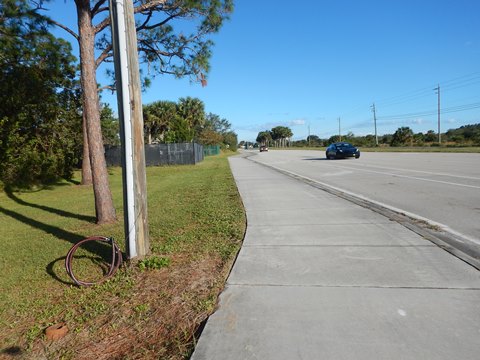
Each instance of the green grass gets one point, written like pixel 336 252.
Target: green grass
pixel 196 222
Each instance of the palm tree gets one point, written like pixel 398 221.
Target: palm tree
pixel 193 111
pixel 281 134
pixel 264 137
pixel 158 118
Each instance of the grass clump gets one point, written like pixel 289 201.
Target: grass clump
pixel 154 262
pixel 196 222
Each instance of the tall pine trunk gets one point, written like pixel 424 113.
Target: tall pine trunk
pixel 86 167
pixel 104 208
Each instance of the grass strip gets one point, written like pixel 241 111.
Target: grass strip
pixel 151 309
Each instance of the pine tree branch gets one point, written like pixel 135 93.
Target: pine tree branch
pixel 149 16
pixel 101 26
pixel 150 5
pixel 149 49
pixel 107 87
pixel 97 8
pixel 106 53
pixel 67 29
pixel 144 26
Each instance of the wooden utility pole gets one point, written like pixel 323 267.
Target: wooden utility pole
pixel 127 76
pixel 375 123
pixel 339 131
pixel 308 134
pixel 437 89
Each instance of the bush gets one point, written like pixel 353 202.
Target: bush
pixel 36 157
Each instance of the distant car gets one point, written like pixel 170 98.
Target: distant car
pixel 342 150
pixel 263 148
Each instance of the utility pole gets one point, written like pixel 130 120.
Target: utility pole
pixel 375 123
pixel 127 76
pixel 437 89
pixel 339 131
pixel 308 134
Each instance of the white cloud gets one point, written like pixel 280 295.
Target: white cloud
pixel 296 122
pixel 418 121
pixel 271 124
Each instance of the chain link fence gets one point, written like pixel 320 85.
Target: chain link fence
pixel 161 154
pixel 210 150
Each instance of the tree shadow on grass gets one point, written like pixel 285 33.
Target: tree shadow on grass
pixel 96 248
pixel 96 261
pixel 59 212
pixel 74 182
pixel 51 271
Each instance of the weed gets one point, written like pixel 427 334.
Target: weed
pixel 32 334
pixel 206 305
pixel 154 262
pixel 141 308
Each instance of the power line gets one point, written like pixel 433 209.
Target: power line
pixel 410 96
pixel 452 109
pixel 462 79
pixel 447 86
pixel 459 86
pixel 456 83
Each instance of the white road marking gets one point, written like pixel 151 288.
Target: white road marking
pixel 410 177
pixel 422 172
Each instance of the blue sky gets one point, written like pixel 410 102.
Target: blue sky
pixel 304 64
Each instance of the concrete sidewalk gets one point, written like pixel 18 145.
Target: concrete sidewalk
pixel 321 278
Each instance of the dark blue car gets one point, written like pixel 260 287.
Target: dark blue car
pixel 342 150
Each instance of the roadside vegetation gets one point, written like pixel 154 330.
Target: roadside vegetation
pixel 431 149
pixel 51 113
pixel 463 139
pixel 150 309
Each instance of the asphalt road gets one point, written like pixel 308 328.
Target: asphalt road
pixel 443 188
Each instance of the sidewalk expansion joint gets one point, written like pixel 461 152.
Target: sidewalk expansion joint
pixel 358 287
pixel 338 246
pixel 386 222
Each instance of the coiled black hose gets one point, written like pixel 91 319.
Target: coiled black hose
pixel 114 265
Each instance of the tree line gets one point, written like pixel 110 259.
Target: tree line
pixel 467 135
pixel 278 136
pixel 50 103
pixel 186 121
